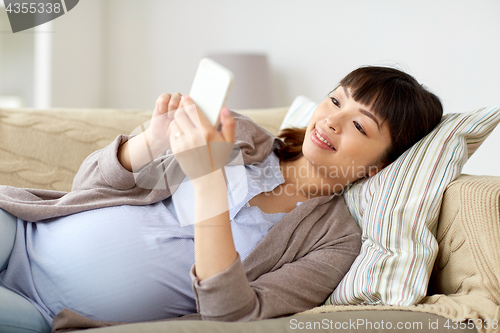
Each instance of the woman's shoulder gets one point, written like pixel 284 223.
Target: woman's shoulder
pixel 245 127
pixel 330 224
pixel 332 214
pixel 254 141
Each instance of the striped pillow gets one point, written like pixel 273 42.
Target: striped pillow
pixel 398 208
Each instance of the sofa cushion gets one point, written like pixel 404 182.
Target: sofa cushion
pixel 270 118
pixel 398 208
pixel 345 322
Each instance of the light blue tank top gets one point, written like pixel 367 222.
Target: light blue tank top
pixel 129 263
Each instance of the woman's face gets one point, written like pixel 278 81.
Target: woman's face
pixel 355 140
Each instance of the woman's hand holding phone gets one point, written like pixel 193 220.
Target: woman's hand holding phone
pixel 188 128
pixel 199 148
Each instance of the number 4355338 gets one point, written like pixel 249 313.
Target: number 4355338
pixel 33 7
pixel 470 323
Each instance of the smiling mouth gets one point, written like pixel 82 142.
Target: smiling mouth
pixel 323 140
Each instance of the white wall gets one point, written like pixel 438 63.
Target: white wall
pixel 16 66
pixel 124 53
pixel 78 56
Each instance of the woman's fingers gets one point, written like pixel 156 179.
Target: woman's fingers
pixel 197 117
pixel 183 121
pixel 161 106
pixel 174 101
pixel 228 124
pixel 189 118
pixel 167 102
pixel 188 124
pixel 196 143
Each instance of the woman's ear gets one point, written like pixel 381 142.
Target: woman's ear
pixel 374 169
pixel 379 164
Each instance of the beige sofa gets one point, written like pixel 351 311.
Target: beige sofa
pixel 44 148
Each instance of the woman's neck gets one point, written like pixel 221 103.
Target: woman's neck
pixel 305 179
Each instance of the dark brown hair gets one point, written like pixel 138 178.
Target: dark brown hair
pixel 411 111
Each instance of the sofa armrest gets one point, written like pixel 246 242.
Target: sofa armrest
pixel 468 234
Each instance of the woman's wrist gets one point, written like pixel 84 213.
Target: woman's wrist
pixel 135 153
pixel 213 240
pixel 210 195
pixel 155 146
pixel 213 181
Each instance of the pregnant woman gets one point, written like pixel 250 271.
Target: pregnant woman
pixel 249 226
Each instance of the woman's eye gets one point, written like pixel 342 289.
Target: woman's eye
pixel 335 101
pixel 359 128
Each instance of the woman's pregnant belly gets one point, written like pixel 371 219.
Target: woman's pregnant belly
pixel 125 263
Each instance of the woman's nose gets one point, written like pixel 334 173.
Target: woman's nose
pixel 335 122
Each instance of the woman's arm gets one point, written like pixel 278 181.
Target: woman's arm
pixel 293 269
pixel 101 169
pixel 116 166
pixel 214 245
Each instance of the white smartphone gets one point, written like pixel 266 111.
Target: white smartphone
pixel 210 88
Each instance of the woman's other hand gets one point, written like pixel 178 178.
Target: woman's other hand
pixel 143 148
pixel 199 148
pixel 163 114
